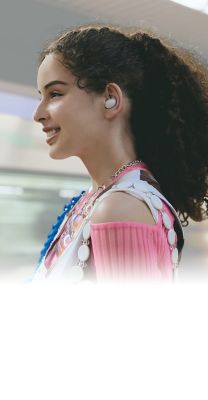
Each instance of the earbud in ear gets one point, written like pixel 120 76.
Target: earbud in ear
pixel 110 102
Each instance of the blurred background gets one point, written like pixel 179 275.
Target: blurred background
pixel 33 187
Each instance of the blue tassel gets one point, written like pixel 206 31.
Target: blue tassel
pixel 56 226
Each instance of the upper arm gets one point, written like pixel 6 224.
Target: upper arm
pixel 121 206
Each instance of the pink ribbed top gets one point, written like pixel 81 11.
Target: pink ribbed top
pixel 131 250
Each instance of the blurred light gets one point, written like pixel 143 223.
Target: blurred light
pixel 12 190
pixel 67 193
pixel 200 5
pixel 18 105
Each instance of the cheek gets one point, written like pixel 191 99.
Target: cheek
pixel 55 108
pixel 66 105
pixel 60 112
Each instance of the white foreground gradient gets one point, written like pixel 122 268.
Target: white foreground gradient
pixel 104 342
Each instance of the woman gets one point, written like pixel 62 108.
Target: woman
pixel 135 111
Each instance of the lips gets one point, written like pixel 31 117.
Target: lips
pixel 50 140
pixel 52 134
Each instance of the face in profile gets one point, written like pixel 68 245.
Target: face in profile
pixel 70 116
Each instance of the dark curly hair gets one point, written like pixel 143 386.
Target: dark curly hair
pixel 168 90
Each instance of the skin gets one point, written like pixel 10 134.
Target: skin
pixel 100 137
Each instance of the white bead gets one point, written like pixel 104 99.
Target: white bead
pixel 83 252
pixel 86 231
pixel 171 236
pixel 75 274
pixel 174 256
pixel 156 202
pixel 166 220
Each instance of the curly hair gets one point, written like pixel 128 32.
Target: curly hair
pixel 168 90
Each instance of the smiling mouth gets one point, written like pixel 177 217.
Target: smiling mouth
pixel 51 139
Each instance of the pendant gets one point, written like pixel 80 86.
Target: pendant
pixel 75 274
pixel 166 220
pixel 174 256
pixel 156 202
pixel 171 237
pixel 86 231
pixel 83 253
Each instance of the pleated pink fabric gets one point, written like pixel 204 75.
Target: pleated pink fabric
pixel 131 251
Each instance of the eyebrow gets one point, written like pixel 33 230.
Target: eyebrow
pixel 53 83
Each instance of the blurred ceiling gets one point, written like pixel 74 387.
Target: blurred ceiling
pixel 25 25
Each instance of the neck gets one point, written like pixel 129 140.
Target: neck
pixel 108 155
pixel 102 170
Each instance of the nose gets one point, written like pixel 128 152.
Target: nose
pixel 40 113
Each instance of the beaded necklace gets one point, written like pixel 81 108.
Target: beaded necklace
pixel 70 207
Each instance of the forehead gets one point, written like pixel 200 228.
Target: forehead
pixel 52 69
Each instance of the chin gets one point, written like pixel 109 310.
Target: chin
pixel 57 155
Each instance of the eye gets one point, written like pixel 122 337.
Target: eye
pixel 55 94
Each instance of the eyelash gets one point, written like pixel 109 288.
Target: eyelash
pixel 52 95
pixel 55 94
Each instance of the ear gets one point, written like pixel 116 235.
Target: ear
pixel 113 90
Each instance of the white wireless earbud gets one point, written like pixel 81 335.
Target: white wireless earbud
pixel 110 102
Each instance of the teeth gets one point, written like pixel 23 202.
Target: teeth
pixel 53 131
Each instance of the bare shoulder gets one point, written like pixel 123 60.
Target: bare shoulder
pixel 121 206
